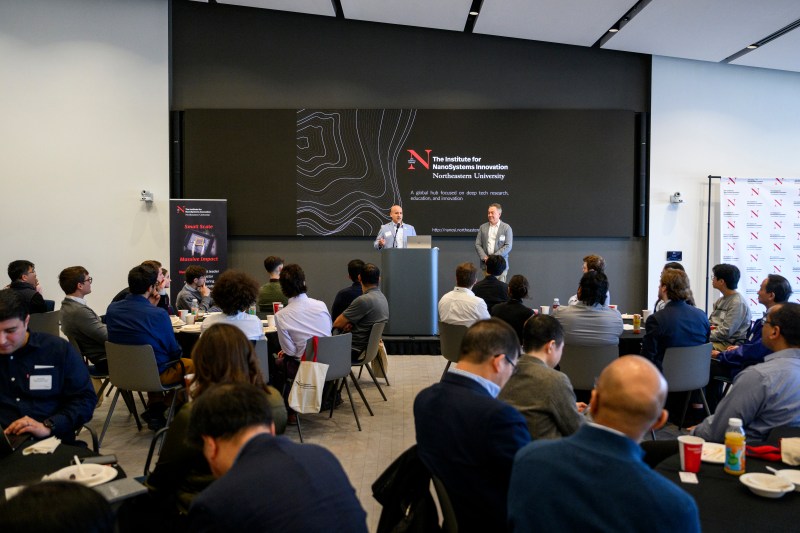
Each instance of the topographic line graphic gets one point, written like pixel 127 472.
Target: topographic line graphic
pixel 347 168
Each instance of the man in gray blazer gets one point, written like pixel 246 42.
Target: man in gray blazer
pixel 78 321
pixel 394 234
pixel 494 238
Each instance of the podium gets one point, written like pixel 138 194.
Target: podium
pixel 409 282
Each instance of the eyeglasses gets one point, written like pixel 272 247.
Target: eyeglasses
pixel 766 321
pixel 87 280
pixel 512 363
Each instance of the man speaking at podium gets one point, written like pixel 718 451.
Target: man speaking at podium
pixel 394 234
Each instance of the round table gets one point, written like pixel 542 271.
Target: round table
pixel 727 505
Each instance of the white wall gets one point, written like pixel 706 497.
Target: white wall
pixel 84 106
pixel 712 119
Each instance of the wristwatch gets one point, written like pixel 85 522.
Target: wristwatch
pixel 49 424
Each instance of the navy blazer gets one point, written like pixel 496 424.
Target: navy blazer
pixel 278 485
pixel 678 324
pixel 468 439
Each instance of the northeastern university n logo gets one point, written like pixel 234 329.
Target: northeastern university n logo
pixel 416 158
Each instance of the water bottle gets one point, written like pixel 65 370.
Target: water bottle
pixel 195 307
pixel 735 447
pixel 252 309
pixel 556 305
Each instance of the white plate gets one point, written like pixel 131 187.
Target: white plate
pixel 191 328
pixel 92 474
pixel 627 317
pixel 792 475
pixel 767 485
pixel 713 452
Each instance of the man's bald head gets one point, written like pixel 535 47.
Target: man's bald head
pixel 629 396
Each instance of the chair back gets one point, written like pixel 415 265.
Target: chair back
pixel 335 352
pixel 582 364
pixel 45 322
pixel 372 345
pixel 262 354
pixel 449 522
pixel 687 368
pixel 450 337
pixel 133 367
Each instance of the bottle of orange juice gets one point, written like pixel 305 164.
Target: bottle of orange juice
pixel 735 447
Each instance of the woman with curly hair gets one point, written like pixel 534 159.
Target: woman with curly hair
pixel 234 292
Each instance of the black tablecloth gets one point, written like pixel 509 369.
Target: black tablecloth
pixel 17 469
pixel 726 505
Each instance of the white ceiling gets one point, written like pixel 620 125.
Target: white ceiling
pixel 706 30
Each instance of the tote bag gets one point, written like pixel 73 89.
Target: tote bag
pixel 306 394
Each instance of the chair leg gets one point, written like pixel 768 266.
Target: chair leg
pixel 361 393
pixel 375 381
pixel 446 368
pixel 108 418
pixel 360 370
pixel 299 431
pixel 352 405
pixel 127 396
pixel 144 403
pixel 685 408
pixel 385 375
pixel 705 402
pixel 103 387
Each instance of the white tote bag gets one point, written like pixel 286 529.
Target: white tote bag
pixel 306 394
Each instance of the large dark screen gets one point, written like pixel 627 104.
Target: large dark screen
pixel 337 172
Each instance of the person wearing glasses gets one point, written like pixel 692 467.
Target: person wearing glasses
pixel 542 394
pixel 766 395
pixel 466 436
pixel 79 322
pixel 24 281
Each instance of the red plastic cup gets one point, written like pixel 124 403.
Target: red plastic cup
pixel 691 450
pixel 276 306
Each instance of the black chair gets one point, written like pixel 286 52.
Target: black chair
pixel 450 337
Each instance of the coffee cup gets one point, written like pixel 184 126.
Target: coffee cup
pixel 189 319
pixel 691 450
pixel 646 313
pixel 182 314
pixel 545 309
pixel 270 321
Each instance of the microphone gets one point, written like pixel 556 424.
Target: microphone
pixel 395 235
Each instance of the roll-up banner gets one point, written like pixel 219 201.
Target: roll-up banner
pixel 760 221
pixel 198 236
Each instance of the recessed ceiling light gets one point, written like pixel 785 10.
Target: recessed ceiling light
pixel 613 30
pixel 752 47
pixel 473 13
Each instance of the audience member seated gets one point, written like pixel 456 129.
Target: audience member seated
pixel 595 480
pixel 24 281
pixel 163 282
pixel 78 321
pixel 514 312
pixel 542 395
pixel 56 507
pixel 766 395
pixel 46 388
pixel 592 263
pixel 137 320
pixel 346 296
pixel 730 317
pixel 234 293
pixel 368 309
pixel 660 303
pixel 466 436
pixel 271 291
pixel 195 289
pixel 589 322
pixel 302 319
pixel 460 306
pixel 221 355
pixel 678 324
pixel 774 289
pixel 265 483
pixel 492 290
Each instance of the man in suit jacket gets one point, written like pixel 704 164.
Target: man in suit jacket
pixel 78 321
pixel 394 234
pixel 265 483
pixel 596 479
pixel 465 436
pixel 678 324
pixel 494 238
